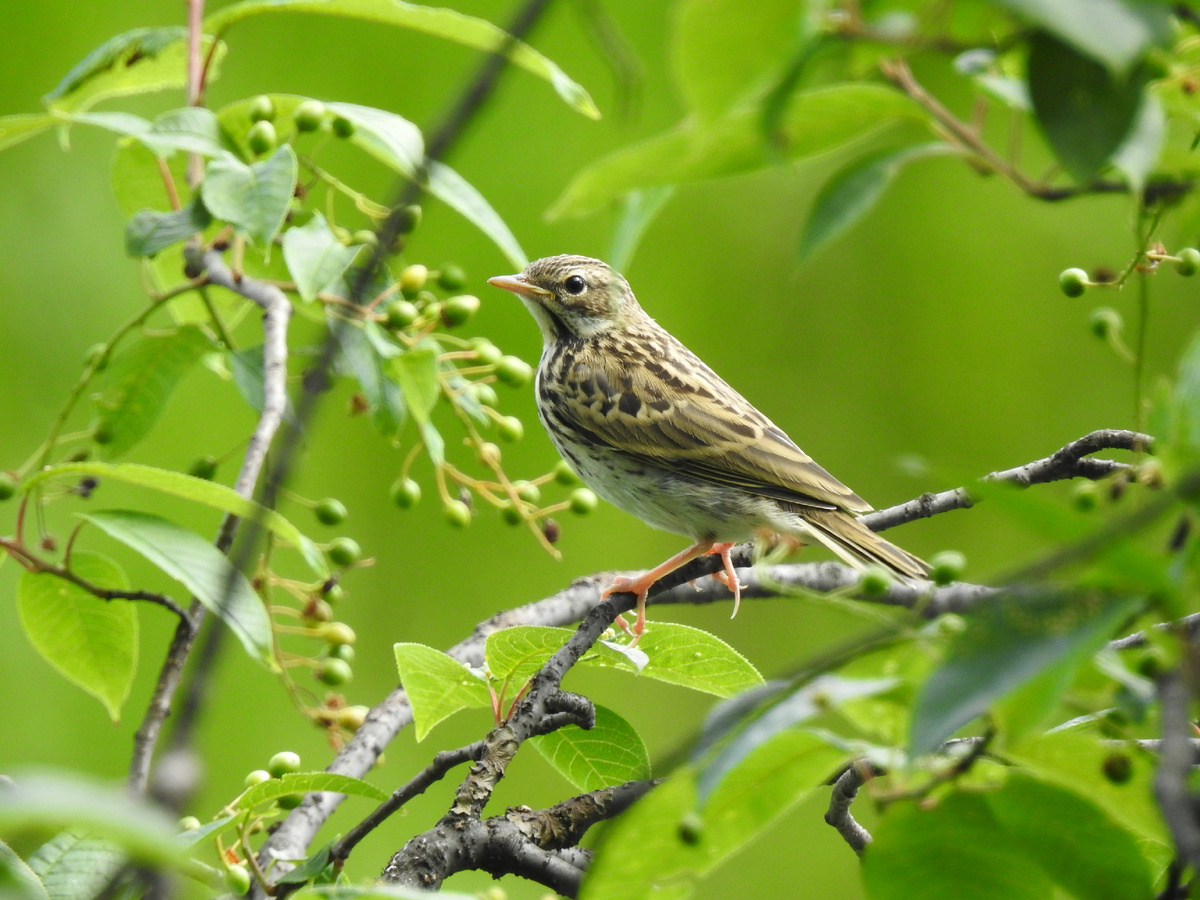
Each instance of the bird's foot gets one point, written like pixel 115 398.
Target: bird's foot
pixel 728 576
pixel 639 587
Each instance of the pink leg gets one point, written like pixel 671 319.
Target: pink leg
pixel 642 584
pixel 728 576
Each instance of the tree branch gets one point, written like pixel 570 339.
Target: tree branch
pixel 845 789
pixel 1178 804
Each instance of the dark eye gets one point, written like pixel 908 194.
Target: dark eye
pixel 575 284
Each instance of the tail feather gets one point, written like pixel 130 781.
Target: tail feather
pixel 858 545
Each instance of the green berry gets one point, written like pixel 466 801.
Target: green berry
pixel 406 493
pixel 1105 321
pixel 583 501
pixel 309 115
pixel 335 593
pixel 691 828
pixel 203 467
pixel 1118 767
pixel 408 219
pixel 1084 496
pixel 342 234
pixel 400 314
pixel 8 485
pixel 344 551
pixel 352 717
pixel 564 474
pixel 337 633
pixel 451 277
pixel 1189 261
pixel 366 237
pixel 237 880
pixel 527 491
pixel 1153 661
pixel 874 582
pixel 459 310
pixel 257 776
pixel 513 371
pixel 342 127
pixel 457 513
pixel 412 279
pixel 510 514
pixel 511 429
pixel 485 394
pixel 262 109
pixel 261 138
pixel 283 763
pixel 344 652
pixel 103 433
pixel 947 566
pixel 330 511
pixel 489 454
pixel 487 352
pixel 1073 282
pixel 317 610
pixel 189 823
pixel 334 672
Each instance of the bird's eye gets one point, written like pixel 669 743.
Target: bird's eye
pixel 575 284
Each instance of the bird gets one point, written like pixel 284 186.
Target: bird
pixel 654 431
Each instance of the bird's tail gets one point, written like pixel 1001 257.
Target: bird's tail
pixel 858 545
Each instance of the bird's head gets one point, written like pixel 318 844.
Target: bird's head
pixel 572 296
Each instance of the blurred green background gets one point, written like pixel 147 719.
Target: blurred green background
pixel 934 332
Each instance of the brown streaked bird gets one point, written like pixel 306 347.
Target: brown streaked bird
pixel 657 433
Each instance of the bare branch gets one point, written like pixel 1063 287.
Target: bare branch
pixel 845 789
pixel 1179 805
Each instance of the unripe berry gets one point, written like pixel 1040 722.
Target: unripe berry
pixel 510 514
pixel 189 823
pixel 513 371
pixel 237 880
pixel 338 633
pixel 366 237
pixel 352 717
pixel 309 115
pixel 564 474
pixel 330 511
pixel 874 582
pixel 691 828
pixel 8 485
pixel 318 610
pixel 457 513
pixel 262 108
pixel 408 219
pixel 583 501
pixel 344 551
pixel 342 127
pixel 257 776
pixel 283 763
pixel 335 593
pixel 487 352
pixel 334 672
pixel 459 310
pixel 451 277
pixel 401 314
pixel 289 801
pixel 947 566
pixel 103 433
pixel 1084 496
pixel 1189 261
pixel 261 138
pixel 489 454
pixel 1105 321
pixel 344 652
pixel 511 429
pixel 485 394
pixel 412 279
pixel 1073 282
pixel 527 491
pixel 406 493
pixel 1118 768
pixel 203 467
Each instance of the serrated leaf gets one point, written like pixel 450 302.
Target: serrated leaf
pixel 610 753
pixel 816 121
pixel 444 23
pixel 74 866
pixel 17 879
pixel 691 658
pixel 201 568
pixel 361 356
pixel 92 642
pixel 1085 111
pixel 198 490
pixel 310 869
pixel 1115 32
pixel 21 127
pixel 437 686
pixel 853 191
pixel 255 198
pixel 1006 644
pixel 139 382
pixel 140 61
pixel 307 782
pixel 314 256
pixel 150 231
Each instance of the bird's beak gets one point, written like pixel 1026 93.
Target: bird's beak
pixel 518 285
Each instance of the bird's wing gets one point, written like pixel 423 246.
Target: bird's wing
pixel 683 415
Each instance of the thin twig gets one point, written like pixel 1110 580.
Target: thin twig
pixel 845 789
pixel 1175 799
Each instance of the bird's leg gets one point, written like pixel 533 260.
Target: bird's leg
pixel 641 585
pixel 727 576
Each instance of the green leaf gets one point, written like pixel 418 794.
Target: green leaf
pixel 1006 644
pixel 723 51
pixel 189 130
pixel 314 256
pixel 1137 157
pixel 854 190
pixel 816 122
pixel 638 211
pixel 74 866
pixel 17 880
pixel 201 568
pixel 416 371
pixel 255 198
pixel 397 143
pixel 1085 111
pixel 363 355
pixel 611 753
pixel 150 231
pixel 21 127
pixel 437 686
pixel 207 831
pixel 139 382
pixel 444 23
pixel 310 869
pixel 92 642
pixel 691 658
pixel 306 782
pixel 55 802
pixel 136 62
pixel 1116 32
pixel 198 490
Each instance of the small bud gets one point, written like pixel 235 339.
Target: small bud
pixel 457 513
pixel 1189 261
pixel 511 429
pixel 1105 321
pixel 344 551
pixel 947 566
pixel 262 108
pixel 283 763
pixel 412 279
pixel 309 115
pixel 583 501
pixel 261 138
pixel 1073 282
pixel 459 310
pixel 451 277
pixel 342 126
pixel 489 454
pixel 330 511
pixel 513 371
pixel 406 493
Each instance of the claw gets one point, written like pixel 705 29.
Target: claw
pixel 728 576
